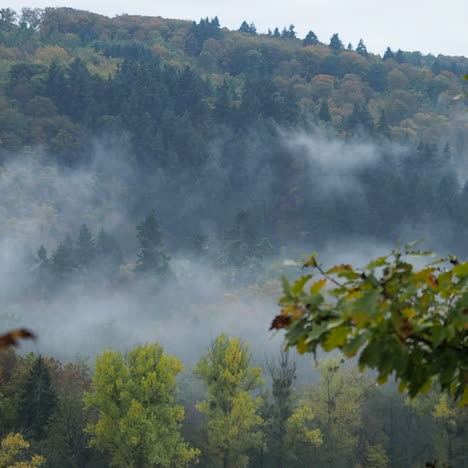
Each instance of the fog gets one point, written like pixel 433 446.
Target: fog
pixel 42 202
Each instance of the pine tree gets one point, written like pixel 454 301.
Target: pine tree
pixel 276 32
pixel 324 112
pixel 63 258
pixel 289 33
pixel 85 247
pixel 436 67
pixel 335 43
pixel 388 54
pixel 108 251
pixel 350 47
pixel 248 28
pixel 361 49
pixel 310 39
pixel 382 125
pixel 36 402
pixel 399 56
pixel 152 257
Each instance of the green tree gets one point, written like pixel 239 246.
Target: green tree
pixel 85 247
pixel 335 43
pixel 152 257
pixel 138 423
pixel 407 322
pixel 108 252
pixel 14 453
pixel 324 112
pixel 63 261
pixel 337 401
pixel 233 421
pixel 388 54
pixel 36 402
pixel 361 49
pixel 310 39
pixel 248 28
pixel 287 424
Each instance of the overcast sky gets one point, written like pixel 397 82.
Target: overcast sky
pixel 430 26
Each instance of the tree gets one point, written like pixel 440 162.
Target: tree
pixel 388 54
pixel 36 402
pixel 63 259
pixel 337 400
pixel 138 423
pixel 288 33
pixel 7 18
pixel 108 251
pixel 403 321
pixel 324 112
pixel 248 28
pixel 276 33
pixel 287 423
pixel 310 39
pixel 14 453
pixel 85 247
pixel 335 43
pixel 152 257
pixel 233 420
pixel 399 56
pixel 361 49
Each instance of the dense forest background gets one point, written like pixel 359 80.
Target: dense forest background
pixel 157 177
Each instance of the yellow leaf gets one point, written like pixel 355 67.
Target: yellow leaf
pixel 302 346
pixel 317 286
pixel 409 313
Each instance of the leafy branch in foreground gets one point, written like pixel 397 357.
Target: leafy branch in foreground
pixel 402 321
pixel 11 338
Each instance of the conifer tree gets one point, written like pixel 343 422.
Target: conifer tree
pixel 63 258
pixel 361 49
pixel 276 32
pixel 335 43
pixel 324 112
pixel 399 56
pixel 350 47
pixel 382 125
pixel 152 257
pixel 310 39
pixel 108 251
pixel 36 402
pixel 388 54
pixel 85 247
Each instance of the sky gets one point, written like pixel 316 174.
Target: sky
pixel 430 26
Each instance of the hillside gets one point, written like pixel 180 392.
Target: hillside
pixel 228 116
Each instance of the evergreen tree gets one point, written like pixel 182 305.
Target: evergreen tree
pixel 248 28
pixel 287 423
pixel 361 49
pixel 349 47
pixel 289 33
pixel 324 112
pixel 335 43
pixel 108 251
pixel 85 247
pixel 436 67
pixel 382 125
pixel 63 259
pixel 152 257
pixel 388 54
pixel 276 33
pixel 310 39
pixel 399 56
pixel 36 401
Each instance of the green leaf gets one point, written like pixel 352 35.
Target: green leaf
pixel 461 270
pixel 336 338
pixel 351 348
pixel 298 285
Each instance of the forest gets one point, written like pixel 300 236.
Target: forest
pixel 158 177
